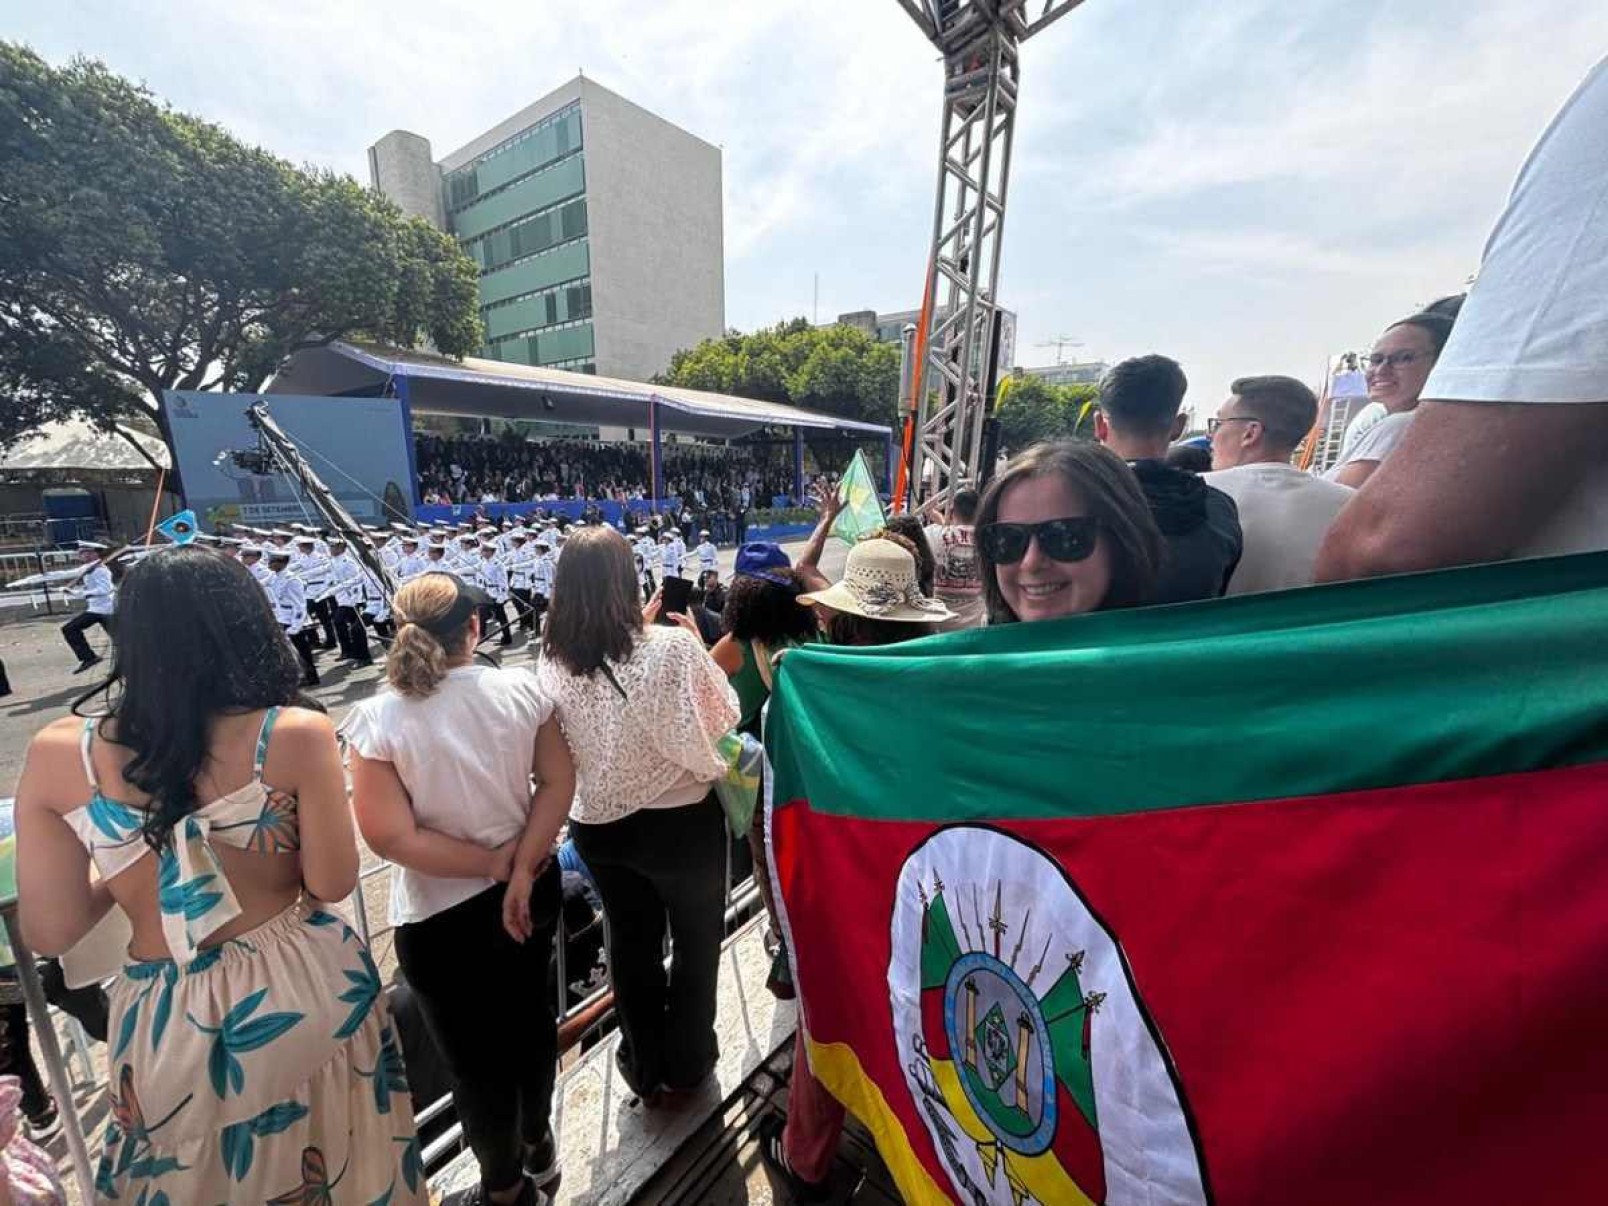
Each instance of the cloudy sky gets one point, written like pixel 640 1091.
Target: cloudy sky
pixel 1247 185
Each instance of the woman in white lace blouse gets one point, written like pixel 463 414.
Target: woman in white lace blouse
pixel 642 706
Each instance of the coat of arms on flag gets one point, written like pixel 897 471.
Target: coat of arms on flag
pixel 1017 1021
pixel 1284 898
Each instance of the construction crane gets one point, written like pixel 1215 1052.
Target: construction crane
pixel 1060 343
pixel 952 381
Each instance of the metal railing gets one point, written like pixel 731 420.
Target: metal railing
pixel 584 1017
pixel 592 1011
pixel 18 565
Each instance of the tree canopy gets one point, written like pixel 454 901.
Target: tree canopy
pixel 143 249
pixel 837 370
pixel 1030 409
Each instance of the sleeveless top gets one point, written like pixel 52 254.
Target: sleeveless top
pixel 751 690
pixel 193 893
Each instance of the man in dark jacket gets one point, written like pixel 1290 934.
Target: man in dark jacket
pixel 1138 419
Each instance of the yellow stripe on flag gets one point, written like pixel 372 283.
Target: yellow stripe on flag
pixel 836 1067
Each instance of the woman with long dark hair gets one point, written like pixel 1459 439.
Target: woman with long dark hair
pixel 643 707
pixel 442 764
pixel 252 1057
pixel 1065 529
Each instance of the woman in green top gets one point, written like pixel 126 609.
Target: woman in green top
pixel 762 617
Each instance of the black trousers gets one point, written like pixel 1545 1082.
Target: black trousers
pixel 488 1003
pixel 385 630
pixel 659 869
pixel 530 607
pixel 73 631
pixel 323 613
pixel 498 612
pixel 351 634
pixel 5 683
pixel 304 641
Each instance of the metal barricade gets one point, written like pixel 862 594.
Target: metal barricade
pixel 742 901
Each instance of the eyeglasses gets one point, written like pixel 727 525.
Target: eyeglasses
pixel 1213 423
pixel 1071 539
pixel 1397 359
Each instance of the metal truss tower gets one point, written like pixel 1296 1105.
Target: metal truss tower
pixel 952 381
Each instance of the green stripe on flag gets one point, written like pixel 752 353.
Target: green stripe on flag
pixel 1423 678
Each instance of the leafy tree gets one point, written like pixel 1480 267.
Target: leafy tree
pixel 837 370
pixel 142 249
pixel 1030 409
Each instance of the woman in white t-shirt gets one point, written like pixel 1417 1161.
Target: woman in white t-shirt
pixel 442 764
pixel 1397 369
pixel 643 707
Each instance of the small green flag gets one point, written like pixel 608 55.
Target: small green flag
pixel 863 514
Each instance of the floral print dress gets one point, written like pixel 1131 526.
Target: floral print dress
pixel 264 1069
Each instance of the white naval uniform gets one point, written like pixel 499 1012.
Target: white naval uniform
pixel 289 597
pixel 708 555
pixel 97 591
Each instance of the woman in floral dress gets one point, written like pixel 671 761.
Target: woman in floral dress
pixel 251 1056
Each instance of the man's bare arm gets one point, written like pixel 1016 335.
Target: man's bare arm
pixel 1469 482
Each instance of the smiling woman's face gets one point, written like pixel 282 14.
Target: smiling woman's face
pixel 1038 587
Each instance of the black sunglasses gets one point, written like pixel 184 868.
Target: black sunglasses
pixel 1070 539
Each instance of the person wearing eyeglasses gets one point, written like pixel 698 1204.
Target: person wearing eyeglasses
pixel 1283 512
pixel 1505 456
pixel 1396 370
pixel 1139 417
pixel 1065 529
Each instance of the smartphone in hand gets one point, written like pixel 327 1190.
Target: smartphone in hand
pixel 674 597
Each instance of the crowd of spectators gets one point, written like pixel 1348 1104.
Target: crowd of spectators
pixel 1497 412
pixel 510 468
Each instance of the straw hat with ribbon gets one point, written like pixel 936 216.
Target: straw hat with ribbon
pixel 879 582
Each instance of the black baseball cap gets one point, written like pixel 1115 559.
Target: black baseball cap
pixel 469 600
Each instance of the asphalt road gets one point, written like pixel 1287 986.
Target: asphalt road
pixel 44 687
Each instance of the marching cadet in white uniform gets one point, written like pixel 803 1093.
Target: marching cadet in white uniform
pixel 493 579
pixel 671 550
pixel 647 558
pixel 251 558
pixel 708 555
pixel 376 607
pixel 546 568
pixel 346 586
pixel 289 597
pixel 99 594
pixel 465 556
pixel 410 562
pixel 312 567
pixel 520 561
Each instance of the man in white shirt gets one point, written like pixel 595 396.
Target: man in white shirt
pixel 289 598
pixel 251 558
pixel 708 555
pixel 520 562
pixel 492 578
pixel 346 587
pixel 1283 512
pixel 312 567
pixel 1505 457
pixel 95 588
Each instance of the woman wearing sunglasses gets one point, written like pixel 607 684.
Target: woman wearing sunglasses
pixel 1065 530
pixel 1397 370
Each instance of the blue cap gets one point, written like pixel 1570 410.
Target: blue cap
pixel 761 560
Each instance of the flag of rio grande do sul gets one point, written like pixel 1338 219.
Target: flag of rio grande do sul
pixel 1293 899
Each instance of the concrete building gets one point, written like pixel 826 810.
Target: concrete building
pixel 597 227
pixel 889 328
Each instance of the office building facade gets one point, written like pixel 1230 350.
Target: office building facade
pixel 597 228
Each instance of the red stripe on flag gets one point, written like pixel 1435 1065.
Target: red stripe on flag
pixel 1386 996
